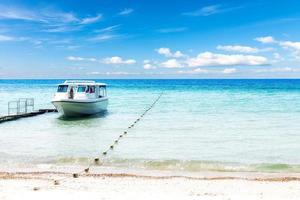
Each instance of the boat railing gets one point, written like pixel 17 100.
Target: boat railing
pixel 78 81
pixel 21 106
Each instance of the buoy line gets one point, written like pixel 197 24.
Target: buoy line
pixel 96 161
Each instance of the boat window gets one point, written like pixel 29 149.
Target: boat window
pixel 62 88
pixel 90 89
pixel 81 89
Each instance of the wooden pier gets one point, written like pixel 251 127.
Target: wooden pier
pixel 24 115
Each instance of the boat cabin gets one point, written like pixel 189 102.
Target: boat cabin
pixel 81 90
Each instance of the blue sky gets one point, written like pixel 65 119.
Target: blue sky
pixel 149 39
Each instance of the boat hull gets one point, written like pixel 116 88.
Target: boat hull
pixel 74 108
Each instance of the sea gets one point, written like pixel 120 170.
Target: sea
pixel 197 125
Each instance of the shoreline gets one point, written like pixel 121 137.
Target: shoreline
pixel 119 171
pixel 204 175
pixel 40 185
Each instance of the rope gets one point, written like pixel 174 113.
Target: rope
pixel 109 149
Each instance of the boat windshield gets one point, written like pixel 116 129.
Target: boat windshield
pixel 62 88
pixel 81 89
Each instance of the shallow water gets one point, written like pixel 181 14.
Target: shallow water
pixel 222 125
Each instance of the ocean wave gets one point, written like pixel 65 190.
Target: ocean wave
pixel 181 165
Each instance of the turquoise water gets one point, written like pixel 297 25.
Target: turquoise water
pixel 223 125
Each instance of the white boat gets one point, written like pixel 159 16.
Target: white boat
pixel 77 98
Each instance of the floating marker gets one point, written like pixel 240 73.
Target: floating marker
pixel 56 182
pixel 36 188
pixel 96 160
pixel 125 132
pixel 104 153
pixel 116 141
pixel 86 170
pixel 112 146
pixel 75 175
pixel 120 136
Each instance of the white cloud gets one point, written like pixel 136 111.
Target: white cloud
pixel 74 58
pixel 45 15
pixel 277 57
pixel 164 51
pixel 61 29
pixel 17 14
pixel 290 45
pixel 126 11
pixel 211 59
pixel 90 20
pixel 54 16
pixel 282 69
pixel 266 40
pixel 294 47
pixel 94 73
pixel 205 71
pixel 149 66
pixel 92 59
pixel 172 30
pixel 178 54
pixel 205 11
pixel 113 73
pixel 116 60
pixel 211 10
pixel 51 20
pixel 194 71
pixel 199 70
pixel 51 16
pixel 146 61
pixel 104 37
pixel 172 63
pixel 108 29
pixel 229 70
pixel 167 52
pixel 241 49
pixel 4 38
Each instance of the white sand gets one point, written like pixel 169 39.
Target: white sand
pixel 122 186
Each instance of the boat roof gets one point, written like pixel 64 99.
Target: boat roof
pixel 82 82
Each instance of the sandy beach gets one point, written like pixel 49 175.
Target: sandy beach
pixel 211 185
